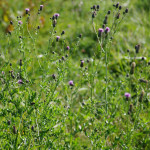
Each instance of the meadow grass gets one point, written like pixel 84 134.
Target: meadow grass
pixel 74 74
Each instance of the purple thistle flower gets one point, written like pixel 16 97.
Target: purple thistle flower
pixel 127 95
pixel 100 31
pixel 20 81
pixel 57 38
pixel 56 15
pixel 19 22
pixel 41 7
pixel 67 47
pixel 27 10
pixel 107 30
pixel 82 62
pixel 3 72
pixel 71 83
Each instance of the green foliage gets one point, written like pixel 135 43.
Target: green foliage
pixel 41 109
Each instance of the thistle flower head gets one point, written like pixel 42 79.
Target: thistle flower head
pixel 127 95
pixel 107 30
pixel 27 10
pixel 71 83
pixel 56 15
pixel 41 7
pixel 20 81
pixel 67 47
pixel 57 38
pixel 20 22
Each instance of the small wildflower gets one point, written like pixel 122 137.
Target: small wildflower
pixel 41 7
pixel 19 22
pixel 127 95
pixel 56 15
pixel 63 58
pixel 57 38
pixel 120 7
pixel 3 72
pixel 80 35
pixel 100 31
pixel 38 27
pixel 27 10
pixel 71 83
pixel 20 81
pixel 68 48
pixel 107 30
pixel 82 62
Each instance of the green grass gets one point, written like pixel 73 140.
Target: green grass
pixel 48 113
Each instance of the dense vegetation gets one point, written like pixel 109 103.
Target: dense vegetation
pixel 74 74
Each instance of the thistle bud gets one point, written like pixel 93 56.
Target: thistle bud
pixel 20 62
pixel 32 128
pixel 137 47
pixel 11 22
pixel 142 80
pixel 117 5
pixel 141 96
pixel 120 7
pixel 14 130
pixel 118 16
pixel 108 12
pixel 38 27
pixel 8 122
pixel 132 67
pixel 63 32
pixel 97 7
pixel 126 11
pixel 53 76
pixel 80 35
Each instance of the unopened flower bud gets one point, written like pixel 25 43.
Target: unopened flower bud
pixel 132 67
pixel 141 96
